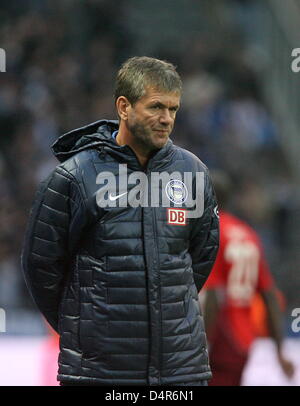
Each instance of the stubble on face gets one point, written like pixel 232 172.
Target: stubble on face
pixel 145 137
pixel 148 125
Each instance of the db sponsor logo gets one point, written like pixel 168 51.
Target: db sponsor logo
pixel 177 216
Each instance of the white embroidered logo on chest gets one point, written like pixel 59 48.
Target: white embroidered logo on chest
pixel 176 216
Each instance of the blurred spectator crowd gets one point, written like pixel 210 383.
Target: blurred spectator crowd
pixel 61 63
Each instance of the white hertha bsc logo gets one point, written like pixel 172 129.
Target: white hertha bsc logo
pixel 176 191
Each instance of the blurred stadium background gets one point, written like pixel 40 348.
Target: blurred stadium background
pixel 240 112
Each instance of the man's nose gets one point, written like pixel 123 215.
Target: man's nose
pixel 166 118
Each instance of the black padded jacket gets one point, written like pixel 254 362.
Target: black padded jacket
pixel 119 284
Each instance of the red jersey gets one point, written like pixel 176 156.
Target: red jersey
pixel 240 271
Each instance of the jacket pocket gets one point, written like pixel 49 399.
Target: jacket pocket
pixel 193 317
pixel 61 309
pixel 92 312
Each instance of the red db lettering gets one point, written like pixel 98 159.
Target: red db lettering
pixel 176 216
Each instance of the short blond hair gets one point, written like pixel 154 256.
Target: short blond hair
pixel 140 72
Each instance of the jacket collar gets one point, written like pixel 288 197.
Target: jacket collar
pixel 99 135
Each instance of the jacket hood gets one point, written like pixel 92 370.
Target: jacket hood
pixel 90 136
pixel 98 135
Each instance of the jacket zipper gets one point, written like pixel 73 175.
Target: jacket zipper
pixel 147 170
pixel 159 292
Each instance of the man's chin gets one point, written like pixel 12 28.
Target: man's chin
pixel 161 142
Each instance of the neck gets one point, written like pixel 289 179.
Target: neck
pixel 125 137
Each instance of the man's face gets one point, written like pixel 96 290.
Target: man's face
pixel 151 119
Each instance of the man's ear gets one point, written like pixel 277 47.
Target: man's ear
pixel 123 106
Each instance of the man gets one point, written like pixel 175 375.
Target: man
pixel 239 274
pixel 114 271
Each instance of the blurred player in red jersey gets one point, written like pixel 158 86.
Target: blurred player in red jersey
pixel 239 273
pixel 49 356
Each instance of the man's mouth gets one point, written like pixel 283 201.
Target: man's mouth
pixel 162 131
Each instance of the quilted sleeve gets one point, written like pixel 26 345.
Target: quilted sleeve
pixel 204 243
pixel 55 219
